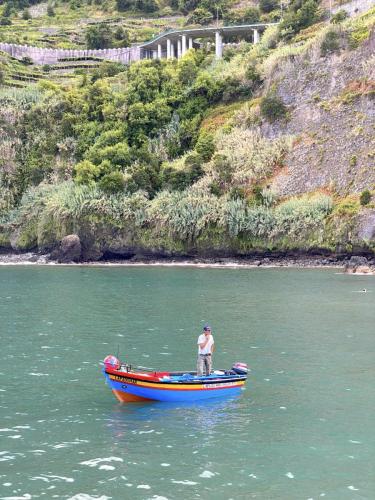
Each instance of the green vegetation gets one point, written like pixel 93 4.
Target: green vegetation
pixel 340 16
pixel 330 43
pixel 128 120
pixel 185 216
pixel 267 6
pixel 300 15
pixel 165 154
pixel 347 206
pixel 272 107
pixel 101 36
pixel 365 197
pixel 359 29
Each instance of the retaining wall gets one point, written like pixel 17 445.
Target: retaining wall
pixel 53 56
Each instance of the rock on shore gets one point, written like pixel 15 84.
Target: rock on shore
pixel 69 250
pixel 359 265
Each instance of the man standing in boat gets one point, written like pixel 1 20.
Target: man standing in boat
pixel 205 350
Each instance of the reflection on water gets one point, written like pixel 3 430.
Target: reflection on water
pixel 201 417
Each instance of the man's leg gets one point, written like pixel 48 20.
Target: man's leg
pixel 200 362
pixel 208 365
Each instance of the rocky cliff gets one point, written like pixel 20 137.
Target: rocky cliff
pixel 331 102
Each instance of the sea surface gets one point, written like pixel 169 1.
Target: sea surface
pixel 303 428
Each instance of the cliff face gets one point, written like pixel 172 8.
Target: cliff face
pixel 331 101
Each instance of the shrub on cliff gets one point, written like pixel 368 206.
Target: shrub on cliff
pixel 293 218
pixel 113 182
pixel 118 155
pixel 272 108
pixel 300 15
pixel 185 215
pixel 182 173
pixel 5 21
pixel 365 197
pixel 330 43
pixel 340 16
pixel 27 61
pixel 146 5
pixel 244 156
pixel 86 172
pixel 205 146
pixel 123 5
pixel 296 216
pixel 50 10
pixel 143 177
pixel 253 75
pixel 26 15
pixel 193 163
pixel 267 6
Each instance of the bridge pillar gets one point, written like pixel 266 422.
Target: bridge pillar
pixel 173 51
pixel 179 48
pixel 190 43
pixel 159 51
pixel 183 47
pixel 169 49
pixel 256 36
pixel 218 45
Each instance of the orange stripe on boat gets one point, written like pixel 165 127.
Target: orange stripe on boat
pixel 125 397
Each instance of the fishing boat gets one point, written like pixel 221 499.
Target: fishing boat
pixel 131 385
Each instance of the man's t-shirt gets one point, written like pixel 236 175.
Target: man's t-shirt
pixel 207 349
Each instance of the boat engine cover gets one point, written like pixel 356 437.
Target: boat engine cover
pixel 240 368
pixel 112 362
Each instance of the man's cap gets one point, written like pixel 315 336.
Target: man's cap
pixel 206 328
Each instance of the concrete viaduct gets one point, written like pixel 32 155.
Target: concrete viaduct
pixel 168 45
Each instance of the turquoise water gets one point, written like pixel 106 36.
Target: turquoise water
pixel 302 429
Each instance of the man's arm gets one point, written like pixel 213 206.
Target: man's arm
pixel 202 345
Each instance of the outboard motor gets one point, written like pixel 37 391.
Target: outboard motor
pixel 112 362
pixel 240 368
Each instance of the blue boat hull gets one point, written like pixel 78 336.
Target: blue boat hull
pixel 137 392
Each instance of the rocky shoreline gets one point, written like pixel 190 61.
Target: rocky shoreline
pixel 347 263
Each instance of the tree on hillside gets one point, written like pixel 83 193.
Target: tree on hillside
pixel 216 7
pixel 201 16
pixel 99 36
pixel 267 6
pixel 188 5
pixel 8 9
pixel 18 4
pixel 247 16
pixel 121 37
pixel 50 10
pixel 26 15
pixel 300 15
pixel 146 5
pixel 143 5
pixel 123 5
